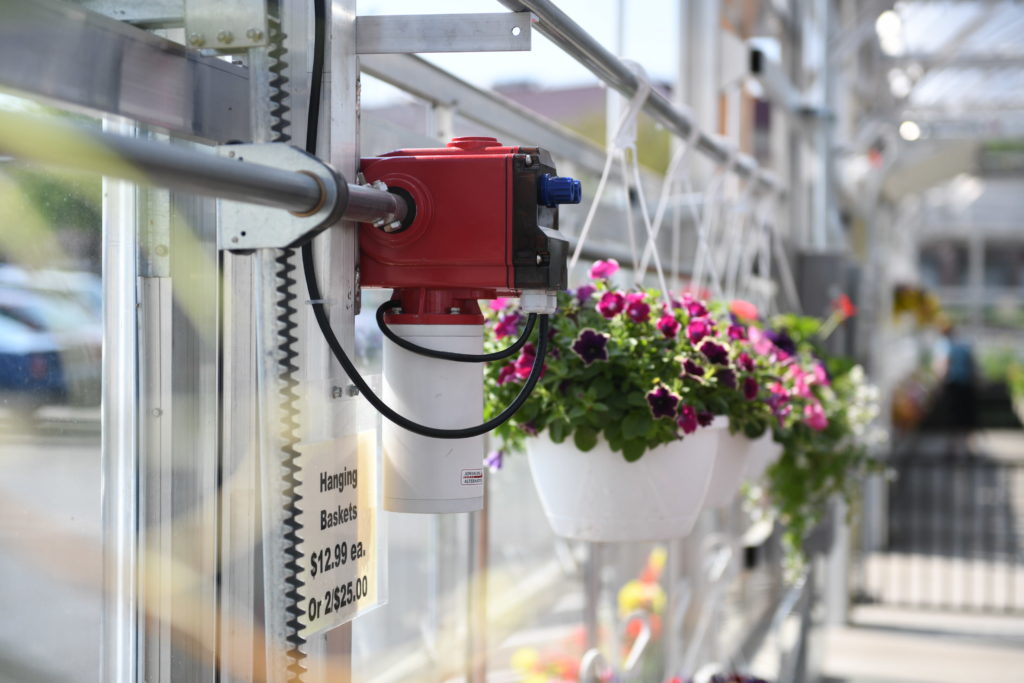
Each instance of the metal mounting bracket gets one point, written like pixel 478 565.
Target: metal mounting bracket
pixel 403 33
pixel 225 25
pixel 245 226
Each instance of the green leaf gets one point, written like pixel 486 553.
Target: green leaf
pixel 558 430
pixel 632 450
pixel 585 438
pixel 636 425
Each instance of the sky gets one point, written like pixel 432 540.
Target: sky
pixel 650 38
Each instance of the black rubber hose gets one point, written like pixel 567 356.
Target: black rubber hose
pixel 451 355
pixel 353 374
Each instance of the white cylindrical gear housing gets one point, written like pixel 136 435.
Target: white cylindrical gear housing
pixel 423 474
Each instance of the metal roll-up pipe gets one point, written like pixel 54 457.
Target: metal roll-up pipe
pixel 151 162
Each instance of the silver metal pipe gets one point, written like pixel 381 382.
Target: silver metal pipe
pixel 181 169
pixel 585 49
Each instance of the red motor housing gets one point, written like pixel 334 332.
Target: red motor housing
pixel 481 224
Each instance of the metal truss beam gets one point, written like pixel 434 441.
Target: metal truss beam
pixel 81 59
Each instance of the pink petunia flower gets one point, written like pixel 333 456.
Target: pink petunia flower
pixel 814 416
pixel 636 308
pixel 602 270
pixel 668 326
pixel 687 419
pixel 611 304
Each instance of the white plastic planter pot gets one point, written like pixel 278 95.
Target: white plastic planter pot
pixel 763 452
pixel 600 496
pixel 731 466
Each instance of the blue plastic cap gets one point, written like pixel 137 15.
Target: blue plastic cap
pixel 554 190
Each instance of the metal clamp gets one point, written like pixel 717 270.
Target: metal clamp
pixel 248 226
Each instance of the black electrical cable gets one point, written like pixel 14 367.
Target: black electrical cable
pixel 319 312
pixel 451 355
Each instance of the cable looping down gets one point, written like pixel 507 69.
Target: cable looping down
pixel 451 355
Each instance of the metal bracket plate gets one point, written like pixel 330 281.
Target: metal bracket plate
pixel 226 25
pixel 249 226
pixel 401 33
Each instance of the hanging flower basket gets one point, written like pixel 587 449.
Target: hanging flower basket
pixel 735 453
pixel 598 495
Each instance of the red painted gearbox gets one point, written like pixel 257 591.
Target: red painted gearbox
pixel 476 228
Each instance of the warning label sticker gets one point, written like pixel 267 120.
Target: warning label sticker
pixel 473 477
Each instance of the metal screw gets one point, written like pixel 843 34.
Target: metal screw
pixel 160 250
pixel 226 37
pixel 234 239
pixel 540 259
pixel 395 225
pixel 528 161
pixel 196 39
pixel 455 310
pixel 156 412
pixel 337 392
pixel 254 34
pixel 231 154
pixel 352 390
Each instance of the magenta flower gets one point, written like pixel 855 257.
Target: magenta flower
pixel 716 353
pixel 591 345
pixel 750 388
pixel 636 308
pixel 814 416
pixel 698 329
pixel 663 402
pixel 745 362
pixel 611 304
pixel 737 332
pixel 668 326
pixel 494 460
pixel 692 368
pixel 705 418
pixel 762 344
pixel 498 304
pixel 694 307
pixel 726 377
pixel 506 326
pixel 507 373
pixel 602 270
pixel 687 419
pixel 523 365
pixel 820 374
pixel 584 293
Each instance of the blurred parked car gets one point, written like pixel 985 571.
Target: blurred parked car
pixel 82 286
pixel 75 331
pixel 30 367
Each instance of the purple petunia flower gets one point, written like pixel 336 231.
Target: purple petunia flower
pixel 750 388
pixel 716 353
pixel 737 332
pixel 692 368
pixel 668 326
pixel 602 270
pixel 705 418
pixel 698 329
pixel 611 304
pixel 584 293
pixel 745 362
pixel 636 308
pixel 494 460
pixel 726 377
pixel 529 428
pixel 687 419
pixel 663 402
pixel 781 340
pixel 506 326
pixel 591 345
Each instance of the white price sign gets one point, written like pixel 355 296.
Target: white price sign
pixel 340 547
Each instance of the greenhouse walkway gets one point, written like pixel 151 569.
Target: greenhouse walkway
pixel 893 645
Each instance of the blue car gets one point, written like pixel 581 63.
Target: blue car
pixel 30 367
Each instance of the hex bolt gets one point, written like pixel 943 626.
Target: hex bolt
pixel 352 390
pixel 226 37
pixel 337 392
pixel 455 310
pixel 196 39
pixel 254 34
